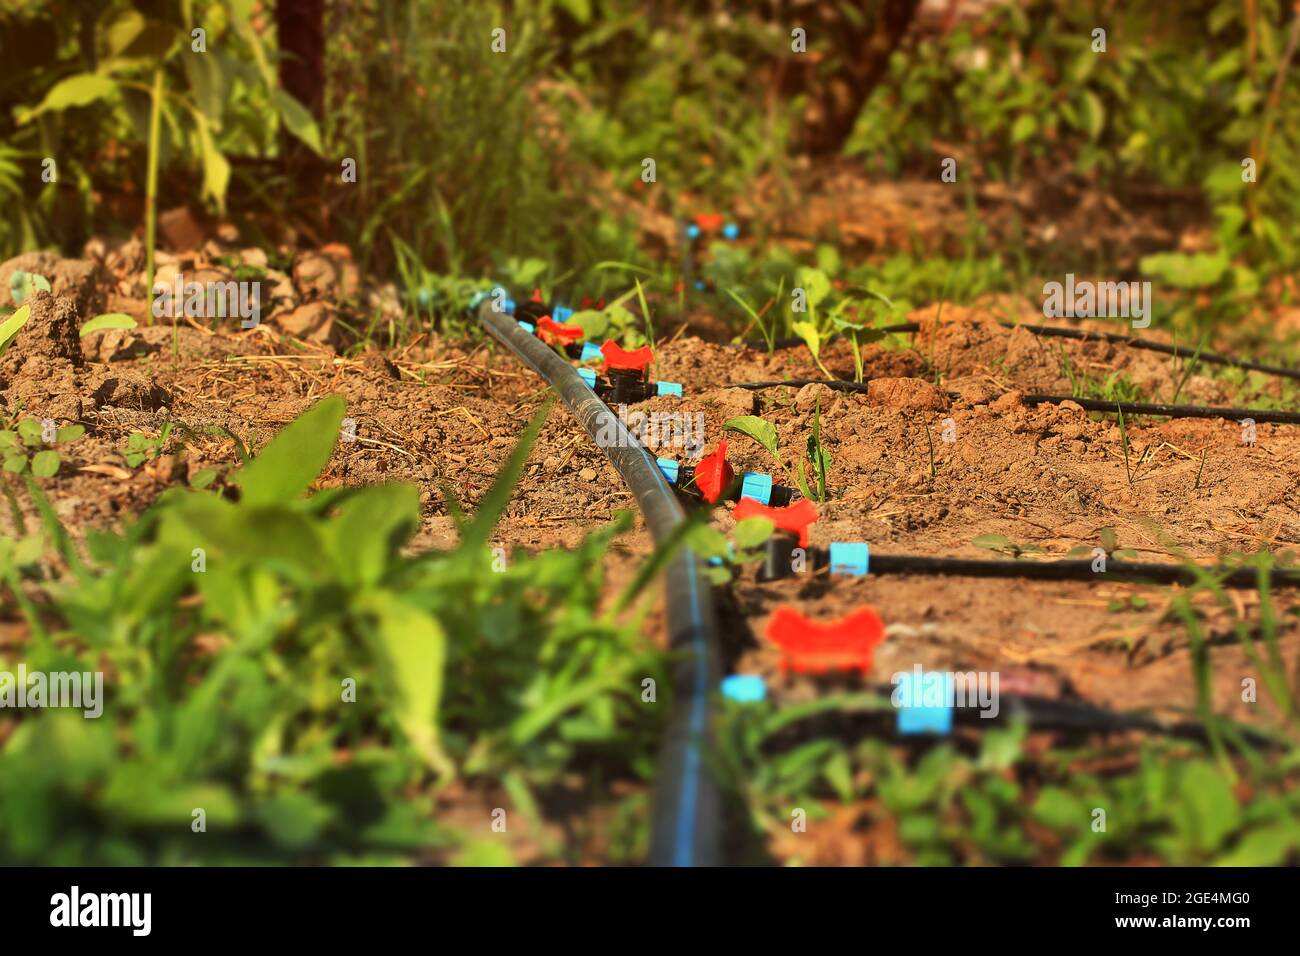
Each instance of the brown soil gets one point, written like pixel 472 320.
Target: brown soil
pixel 438 413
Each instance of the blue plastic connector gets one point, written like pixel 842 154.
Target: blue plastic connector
pixel 757 486
pixel 561 314
pixel 916 717
pixel 669 388
pixel 692 231
pixel 699 284
pixel 670 469
pixel 850 557
pixel 731 231
pixel 589 376
pixel 527 326
pixel 510 306
pixel 744 688
pixel 591 352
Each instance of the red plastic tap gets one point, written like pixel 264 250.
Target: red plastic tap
pixel 553 333
pixel 713 474
pixel 618 357
pixel 796 517
pixel 846 644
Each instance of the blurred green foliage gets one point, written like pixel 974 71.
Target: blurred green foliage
pixel 281 663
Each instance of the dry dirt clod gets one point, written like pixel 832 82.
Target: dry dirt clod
pixel 130 390
pixel 811 396
pixel 1008 401
pixel 730 401
pixel 52 331
pixel 908 393
pixel 312 322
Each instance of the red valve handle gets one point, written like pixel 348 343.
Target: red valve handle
pixel 796 517
pixel 846 644
pixel 710 221
pixel 552 332
pixel 618 357
pixel 713 474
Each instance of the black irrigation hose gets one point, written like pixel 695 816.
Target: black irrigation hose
pixel 1258 415
pixel 687 801
pixel 1074 570
pixel 1065 332
pixel 1041 713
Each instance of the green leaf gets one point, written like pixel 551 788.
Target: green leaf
pixel 811 336
pixel 371 526
pixel 109 320
pixel 1206 811
pixel 22 284
pixel 751 532
pixel 415 647
pixel 756 428
pixel 1094 115
pixel 11 326
pixel 1061 810
pixel 593 322
pixel 288 465
pixel 15 464
pixel 297 119
pixel 815 284
pixel 1186 271
pixel 1267 846
pixel 707 542
pixel 79 90
pixel 69 433
pixel 1023 128
pixel 203 478
pixel 995 542
pixel 216 168
pixel 30 430
pixel 45 463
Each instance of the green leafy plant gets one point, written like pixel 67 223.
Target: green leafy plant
pixel 819 460
pixel 141 447
pixel 284 663
pixel 1001 543
pixel 18 447
pixel 817 463
pixel 12 325
pixel 22 284
pixel 109 320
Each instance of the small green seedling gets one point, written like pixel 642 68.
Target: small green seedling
pixel 32 433
pixel 720 556
pixel 109 320
pixel 1001 543
pixel 819 460
pixel 22 284
pixel 141 448
pixel 11 326
pixel 1109 544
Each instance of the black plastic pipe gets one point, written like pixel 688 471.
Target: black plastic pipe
pixel 1257 415
pixel 1066 332
pixel 687 799
pixel 1073 570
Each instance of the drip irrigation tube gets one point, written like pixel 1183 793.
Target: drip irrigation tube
pixel 1258 415
pixel 1070 569
pixel 1040 713
pixel 1065 332
pixel 687 800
